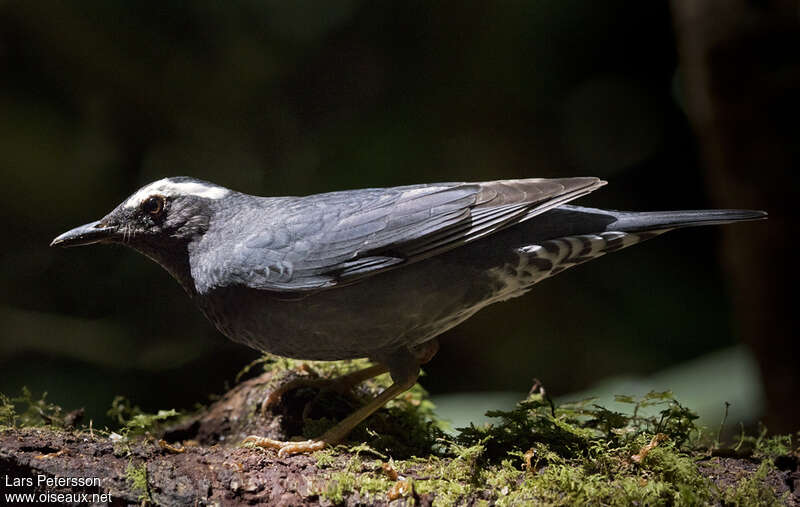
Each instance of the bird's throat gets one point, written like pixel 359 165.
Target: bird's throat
pixel 175 260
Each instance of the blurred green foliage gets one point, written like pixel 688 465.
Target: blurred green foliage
pixel 271 98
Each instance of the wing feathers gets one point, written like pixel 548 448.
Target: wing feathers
pixel 349 235
pixel 500 204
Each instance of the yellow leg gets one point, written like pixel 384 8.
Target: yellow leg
pixel 334 435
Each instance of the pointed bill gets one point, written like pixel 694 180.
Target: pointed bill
pixel 84 235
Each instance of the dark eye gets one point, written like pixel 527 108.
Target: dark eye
pixel 153 205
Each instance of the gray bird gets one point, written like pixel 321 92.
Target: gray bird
pixel 376 273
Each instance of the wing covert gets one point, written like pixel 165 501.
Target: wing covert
pixel 324 240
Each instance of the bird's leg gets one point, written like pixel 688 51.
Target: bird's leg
pixel 340 384
pixel 345 384
pixel 405 370
pixel 334 435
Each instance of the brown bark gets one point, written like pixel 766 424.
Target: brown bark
pixel 202 465
pixel 199 475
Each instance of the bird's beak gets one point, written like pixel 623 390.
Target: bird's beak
pixel 85 235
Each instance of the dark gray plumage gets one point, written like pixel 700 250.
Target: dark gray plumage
pixel 375 273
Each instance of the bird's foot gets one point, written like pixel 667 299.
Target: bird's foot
pixel 339 431
pixel 286 448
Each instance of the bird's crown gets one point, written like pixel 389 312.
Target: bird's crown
pixel 177 186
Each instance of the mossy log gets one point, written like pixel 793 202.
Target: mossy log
pixel 199 461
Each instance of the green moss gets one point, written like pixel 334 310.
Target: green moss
pixel 574 454
pixel 144 422
pixel 536 453
pixel 772 447
pixel 122 411
pixel 25 411
pixel 137 477
pixel 134 421
pixel 754 490
pixel 765 447
pixel 8 413
pixel 664 479
pixel 326 369
pixel 356 477
pixel 326 457
pixel 584 453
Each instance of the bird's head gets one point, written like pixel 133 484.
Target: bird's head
pixel 172 208
pixel 159 219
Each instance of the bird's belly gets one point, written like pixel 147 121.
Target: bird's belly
pixel 395 309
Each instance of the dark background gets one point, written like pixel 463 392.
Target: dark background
pixel 275 98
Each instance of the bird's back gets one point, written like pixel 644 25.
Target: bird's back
pixel 296 244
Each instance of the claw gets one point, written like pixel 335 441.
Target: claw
pixel 286 448
pixel 334 435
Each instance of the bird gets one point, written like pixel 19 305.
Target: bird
pixel 373 273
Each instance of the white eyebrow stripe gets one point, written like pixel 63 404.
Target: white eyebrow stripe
pixel 170 188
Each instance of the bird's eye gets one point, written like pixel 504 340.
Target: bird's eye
pixel 153 205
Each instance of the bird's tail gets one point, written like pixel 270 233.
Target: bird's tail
pixel 615 230
pixel 659 220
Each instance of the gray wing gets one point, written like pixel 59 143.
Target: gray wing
pixel 326 240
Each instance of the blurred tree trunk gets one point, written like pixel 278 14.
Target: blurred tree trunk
pixel 740 64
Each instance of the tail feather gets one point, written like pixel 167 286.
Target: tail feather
pixel 534 263
pixel 615 230
pixel 649 220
